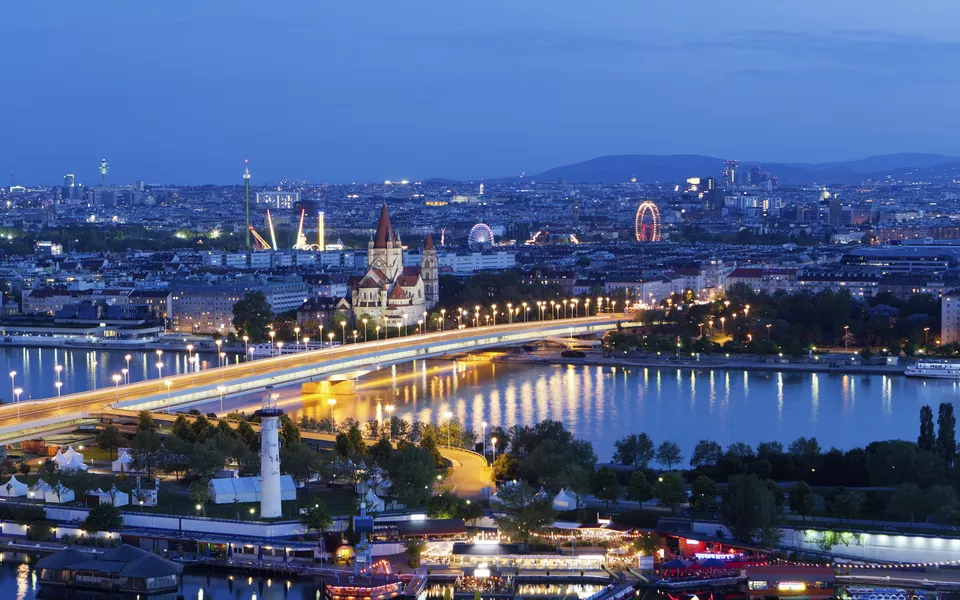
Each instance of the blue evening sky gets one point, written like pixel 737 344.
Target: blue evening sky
pixel 359 90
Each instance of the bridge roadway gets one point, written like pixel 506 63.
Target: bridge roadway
pixel 37 417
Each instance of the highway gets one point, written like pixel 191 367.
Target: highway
pixel 174 391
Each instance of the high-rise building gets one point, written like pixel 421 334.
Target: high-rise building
pixel 69 180
pixel 729 176
pixel 430 272
pixel 277 199
pixel 835 214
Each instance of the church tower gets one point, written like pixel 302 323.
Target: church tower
pixel 430 273
pixel 385 252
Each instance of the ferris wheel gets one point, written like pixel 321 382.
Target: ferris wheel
pixel 647 223
pixel 481 236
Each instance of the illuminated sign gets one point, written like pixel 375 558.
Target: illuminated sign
pixel 715 556
pixel 791 586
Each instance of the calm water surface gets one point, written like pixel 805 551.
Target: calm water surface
pixel 18 581
pixel 602 404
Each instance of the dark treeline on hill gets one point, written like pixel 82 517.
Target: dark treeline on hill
pixel 762 323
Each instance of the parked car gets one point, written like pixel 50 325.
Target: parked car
pixel 573 354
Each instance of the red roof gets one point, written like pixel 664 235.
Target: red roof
pixel 397 293
pixel 408 280
pixel 384 229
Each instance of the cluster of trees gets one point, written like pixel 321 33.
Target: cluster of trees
pixel 251 316
pixel 762 323
pixel 545 455
pixel 493 288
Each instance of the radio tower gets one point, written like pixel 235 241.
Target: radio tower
pixel 104 169
pixel 246 194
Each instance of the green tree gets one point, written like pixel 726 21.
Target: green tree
pixel 355 439
pixel 505 467
pixel 181 428
pixel 845 504
pixel 200 494
pixel 927 439
pixel 103 517
pixel 605 485
pixel 905 501
pixel 289 431
pixel 317 518
pixel 523 512
pixel 946 433
pixel 23 467
pixel 750 511
pixel 145 450
pixel 300 461
pixel 804 447
pixel 940 502
pixel 706 454
pixel 145 422
pixel 801 499
pixel 639 488
pixel 110 439
pixel 668 454
pixel 251 315
pixel 704 494
pixel 634 450
pixel 669 491
pixel 413 473
pixel 414 548
pixel 445 505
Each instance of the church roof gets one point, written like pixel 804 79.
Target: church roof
pixel 384 229
pixel 412 270
pixel 429 243
pixel 397 293
pixel 408 280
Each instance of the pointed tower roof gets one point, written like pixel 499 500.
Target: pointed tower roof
pixel 384 229
pixel 429 243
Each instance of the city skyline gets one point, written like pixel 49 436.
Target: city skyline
pixel 328 93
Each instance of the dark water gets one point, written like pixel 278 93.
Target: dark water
pixel 602 404
pixel 83 370
pixel 19 582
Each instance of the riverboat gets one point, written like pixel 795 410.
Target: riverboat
pixel 934 370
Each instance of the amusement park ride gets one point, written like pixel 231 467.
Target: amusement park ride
pixel 301 243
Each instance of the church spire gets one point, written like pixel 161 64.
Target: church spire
pixel 384 229
pixel 429 243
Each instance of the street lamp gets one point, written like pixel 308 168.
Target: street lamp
pixel 723 322
pixel 493 445
pixel 364 321
pixel 279 348
pixel 116 384
pixel 126 376
pixel 565 315
pixel 17 392
pixel 343 332
pixel 94 364
pixel 58 385
pixel 390 409
pixel 221 389
pixel 159 370
pixel 443 319
pixel 377 328
pixel 296 332
pixel 330 336
pixel 189 353
pixel 272 335
pixel 58 368
pixel 246 345
pixel 331 402
pixel 447 415
pixel 926 336
pixel 419 324
pixel 168 383
pixel 127 358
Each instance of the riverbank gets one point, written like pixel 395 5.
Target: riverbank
pixel 715 363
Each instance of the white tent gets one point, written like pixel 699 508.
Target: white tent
pixel 39 489
pixel 74 464
pixel 374 502
pixel 564 500
pixel 59 494
pixel 65 458
pixel 247 489
pixel 123 462
pixel 13 488
pixel 112 496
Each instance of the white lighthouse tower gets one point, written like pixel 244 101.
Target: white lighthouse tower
pixel 270 457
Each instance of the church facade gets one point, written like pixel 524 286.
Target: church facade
pixel 389 292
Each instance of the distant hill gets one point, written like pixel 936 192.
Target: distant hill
pixel 650 168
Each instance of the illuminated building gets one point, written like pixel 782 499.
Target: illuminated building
pixel 321 232
pixel 277 199
pixel 388 290
pixel 729 175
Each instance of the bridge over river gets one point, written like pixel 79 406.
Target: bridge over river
pixel 27 420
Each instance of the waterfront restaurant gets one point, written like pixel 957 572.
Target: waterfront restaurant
pixel 490 556
pixel 122 569
pixel 789 582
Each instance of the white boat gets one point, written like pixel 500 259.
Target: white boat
pixel 934 370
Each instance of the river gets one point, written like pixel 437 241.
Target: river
pixel 599 404
pixel 603 404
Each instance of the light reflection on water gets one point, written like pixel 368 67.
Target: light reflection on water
pixel 602 404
